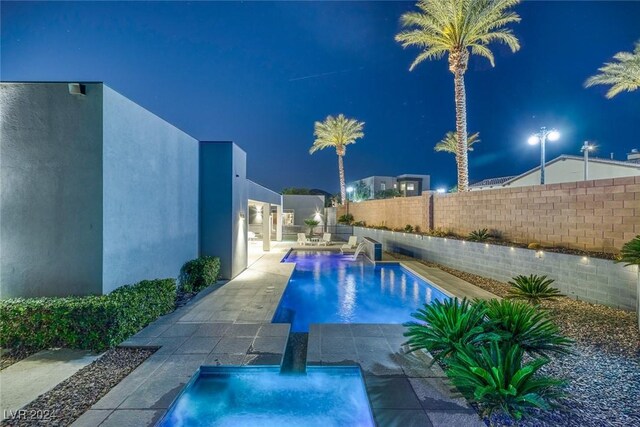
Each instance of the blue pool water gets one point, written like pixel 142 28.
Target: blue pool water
pixel 261 396
pixel 330 287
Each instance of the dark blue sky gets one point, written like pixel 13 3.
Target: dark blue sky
pixel 260 74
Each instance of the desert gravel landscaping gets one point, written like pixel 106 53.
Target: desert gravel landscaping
pixel 71 398
pixel 603 376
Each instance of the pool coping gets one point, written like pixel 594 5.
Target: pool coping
pixel 144 396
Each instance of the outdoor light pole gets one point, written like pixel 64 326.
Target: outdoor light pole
pixel 541 137
pixel 586 147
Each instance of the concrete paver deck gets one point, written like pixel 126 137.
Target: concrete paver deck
pixel 230 325
pixel 27 379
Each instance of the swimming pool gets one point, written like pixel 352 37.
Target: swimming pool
pixel 329 287
pixel 262 396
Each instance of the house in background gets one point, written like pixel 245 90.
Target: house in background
pixel 407 184
pixel 567 168
pixel 98 192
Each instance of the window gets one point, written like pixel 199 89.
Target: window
pixel 383 186
pixel 410 186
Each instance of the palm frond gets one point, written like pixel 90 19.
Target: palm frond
pixel 449 144
pixel 336 132
pixel 622 76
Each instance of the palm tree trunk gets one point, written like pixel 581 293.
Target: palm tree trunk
pixel 461 129
pixel 343 187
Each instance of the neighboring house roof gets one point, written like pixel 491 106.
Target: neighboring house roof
pixel 506 180
pixel 492 181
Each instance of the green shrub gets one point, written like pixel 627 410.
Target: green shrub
pixel 408 228
pixel 479 235
pixel 495 378
pixel 417 229
pixel 530 328
pixel 630 253
pixel 532 289
pixel 199 273
pixel 444 324
pixel 93 322
pixel 345 219
pixel 360 224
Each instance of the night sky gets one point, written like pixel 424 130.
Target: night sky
pixel 260 74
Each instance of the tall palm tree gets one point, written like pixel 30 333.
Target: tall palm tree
pixel 449 143
pixel 623 75
pixel 458 28
pixel 337 132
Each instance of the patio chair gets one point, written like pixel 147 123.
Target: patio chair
pixel 350 245
pixel 302 239
pixel 326 239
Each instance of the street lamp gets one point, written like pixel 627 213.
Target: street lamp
pixel 349 191
pixel 541 137
pixel 586 147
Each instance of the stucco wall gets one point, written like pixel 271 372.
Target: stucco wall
pixel 585 278
pixel 51 192
pixel 150 194
pixel 223 205
pixel 304 207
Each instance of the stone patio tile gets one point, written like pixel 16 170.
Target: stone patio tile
pixel 339 359
pixel 198 345
pixel 92 418
pixel 379 365
pixel 335 330
pixel 418 364
pixel 212 330
pixel 131 382
pixel 155 329
pixel 180 330
pixel 454 419
pixel 167 344
pixel 262 359
pixel 269 345
pixel 135 342
pixel 160 389
pixel 243 330
pixel 371 345
pixel 366 330
pixel 233 345
pixel 402 418
pixel 133 418
pixel 437 394
pixel 314 358
pixel 335 344
pixel 224 315
pixel 274 330
pixel 391 393
pixel 217 359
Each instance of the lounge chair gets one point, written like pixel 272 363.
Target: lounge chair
pixel 350 245
pixel 302 239
pixel 326 239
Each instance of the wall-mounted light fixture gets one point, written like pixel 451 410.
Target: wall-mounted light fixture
pixel 77 89
pixel 241 216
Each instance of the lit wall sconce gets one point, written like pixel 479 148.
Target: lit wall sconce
pixel 241 216
pixel 77 89
pixel 539 254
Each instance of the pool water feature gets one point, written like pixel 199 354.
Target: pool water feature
pixel 262 396
pixel 329 287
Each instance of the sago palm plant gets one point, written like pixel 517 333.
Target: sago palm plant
pixel 479 235
pixel 337 132
pixel 458 29
pixel 525 325
pixel 630 255
pixel 497 380
pixel 532 289
pixel 622 75
pixel 444 324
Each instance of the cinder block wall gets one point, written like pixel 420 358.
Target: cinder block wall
pixel 598 215
pixel 394 213
pixel 585 278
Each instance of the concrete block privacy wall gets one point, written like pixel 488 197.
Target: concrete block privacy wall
pixel 585 278
pixel 598 215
